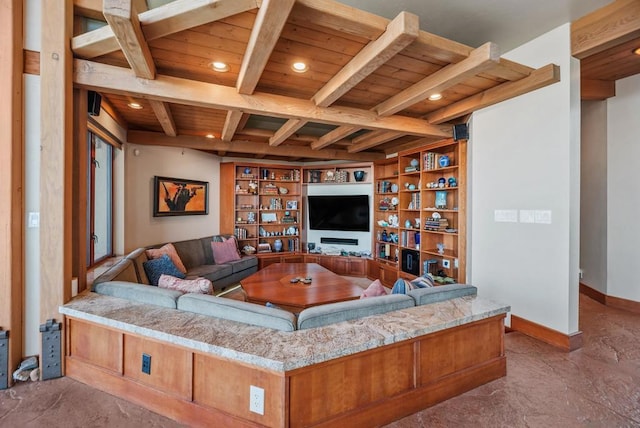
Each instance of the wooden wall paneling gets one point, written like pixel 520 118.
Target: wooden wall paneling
pixel 171 367
pixel 328 390
pixel 224 385
pixel 56 130
pixel 81 155
pixel 95 345
pixel 11 180
pixel 462 211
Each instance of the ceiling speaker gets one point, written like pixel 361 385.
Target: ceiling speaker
pixel 93 108
pixel 461 132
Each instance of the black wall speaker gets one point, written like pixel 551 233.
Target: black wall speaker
pixel 461 132
pixel 94 103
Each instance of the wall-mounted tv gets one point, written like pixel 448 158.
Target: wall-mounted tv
pixel 340 212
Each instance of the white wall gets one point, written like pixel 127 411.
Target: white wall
pixel 364 238
pixel 623 190
pixel 141 228
pixel 524 155
pixel 593 192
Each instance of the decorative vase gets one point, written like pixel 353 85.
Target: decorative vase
pixel 414 163
pixel 358 175
pixel 407 224
pixel 277 245
pixel 443 161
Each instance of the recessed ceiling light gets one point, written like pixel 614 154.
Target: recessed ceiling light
pixel 636 51
pixel 299 67
pixel 435 97
pixel 134 105
pixel 210 136
pixel 219 66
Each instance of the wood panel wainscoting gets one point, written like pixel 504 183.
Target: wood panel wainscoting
pixel 614 302
pixel 367 388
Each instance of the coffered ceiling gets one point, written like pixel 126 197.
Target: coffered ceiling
pixel 364 95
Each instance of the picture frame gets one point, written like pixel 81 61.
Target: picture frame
pixel 179 196
pixel 268 217
pixel 292 205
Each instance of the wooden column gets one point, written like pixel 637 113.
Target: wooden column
pixel 56 123
pixel 79 214
pixel 11 179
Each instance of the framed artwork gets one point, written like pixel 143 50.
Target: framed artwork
pixel 292 205
pixel 178 196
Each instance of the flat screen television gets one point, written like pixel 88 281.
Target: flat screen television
pixel 341 212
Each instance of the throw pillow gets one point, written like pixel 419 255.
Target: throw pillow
pixel 235 241
pixel 169 250
pixel 224 252
pixel 401 286
pixel 163 265
pixel 196 285
pixel 375 289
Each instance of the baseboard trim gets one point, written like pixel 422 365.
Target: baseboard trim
pixel 566 342
pixel 614 302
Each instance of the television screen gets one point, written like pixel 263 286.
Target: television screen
pixel 343 212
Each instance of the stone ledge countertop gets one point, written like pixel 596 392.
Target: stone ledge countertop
pixel 272 349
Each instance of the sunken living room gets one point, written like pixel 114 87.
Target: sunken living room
pixel 293 213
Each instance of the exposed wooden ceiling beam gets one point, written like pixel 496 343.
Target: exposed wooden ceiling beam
pixel 539 78
pixel 163 113
pixel 609 26
pixel 268 25
pixel 118 80
pixel 331 137
pixel 591 89
pixel 399 34
pixel 123 20
pixel 164 20
pixel 231 125
pixel 479 60
pixel 379 137
pixel 202 143
pixel 93 8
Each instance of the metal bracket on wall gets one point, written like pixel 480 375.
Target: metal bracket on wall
pixel 4 359
pixel 51 366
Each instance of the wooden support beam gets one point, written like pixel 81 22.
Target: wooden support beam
pixel 108 78
pixel 56 142
pixel 379 137
pixel 479 60
pixel 611 25
pixel 268 25
pixel 123 20
pixel 163 113
pixel 399 34
pixel 11 182
pixel 591 89
pixel 238 146
pixel 231 124
pixel 159 22
pixel 81 155
pixel 286 130
pixel 93 8
pixel 331 137
pixel 539 78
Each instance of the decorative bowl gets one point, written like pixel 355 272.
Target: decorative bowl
pixel 248 249
pixel 284 190
pixel 358 175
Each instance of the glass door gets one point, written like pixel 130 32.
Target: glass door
pixel 100 210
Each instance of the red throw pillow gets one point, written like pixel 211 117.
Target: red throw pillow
pixel 224 252
pixel 170 250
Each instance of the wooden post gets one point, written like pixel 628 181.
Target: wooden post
pixel 80 162
pixel 11 180
pixel 56 123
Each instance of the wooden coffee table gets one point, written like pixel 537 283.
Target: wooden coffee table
pixel 273 284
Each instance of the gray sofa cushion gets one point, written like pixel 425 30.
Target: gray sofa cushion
pixel 191 253
pixel 211 272
pixel 139 293
pixel 245 262
pixel 424 296
pixel 206 248
pixel 330 313
pixel 121 271
pixel 138 257
pixel 235 310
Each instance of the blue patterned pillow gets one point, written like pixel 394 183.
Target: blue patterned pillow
pixel 163 265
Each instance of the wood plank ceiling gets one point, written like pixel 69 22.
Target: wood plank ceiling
pixel 365 94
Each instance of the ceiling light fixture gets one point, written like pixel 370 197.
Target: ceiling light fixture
pixel 299 67
pixel 636 51
pixel 219 66
pixel 210 136
pixel 435 97
pixel 134 105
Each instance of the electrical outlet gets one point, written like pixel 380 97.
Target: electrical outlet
pixel 146 364
pixel 446 264
pixel 256 400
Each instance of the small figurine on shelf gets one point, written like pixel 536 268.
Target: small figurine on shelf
pixel 440 247
pixel 452 182
pixel 384 236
